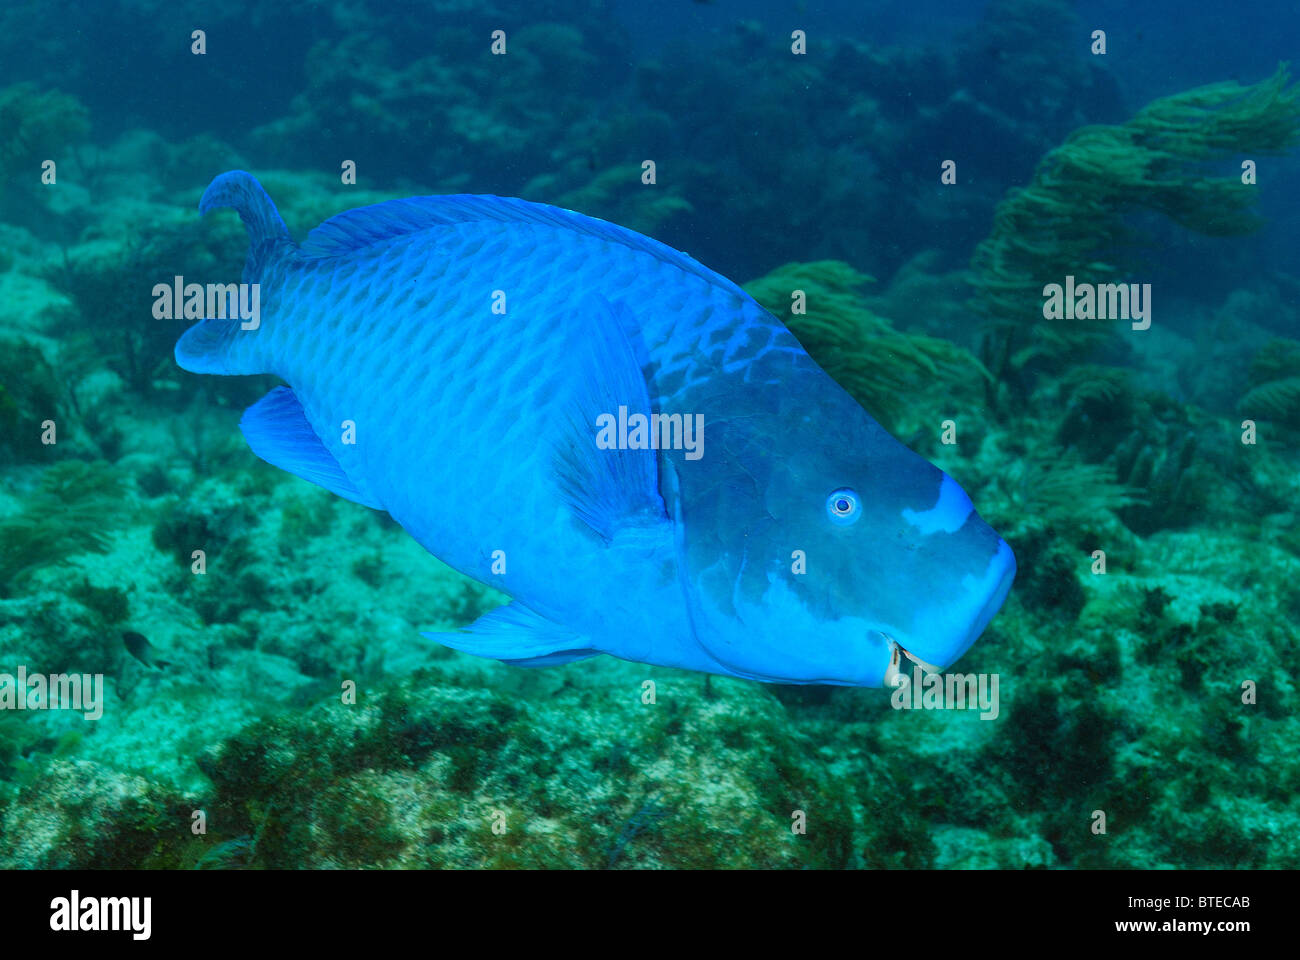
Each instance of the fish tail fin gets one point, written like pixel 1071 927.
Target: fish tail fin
pixel 267 234
pixel 223 345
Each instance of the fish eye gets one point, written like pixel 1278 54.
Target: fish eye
pixel 842 506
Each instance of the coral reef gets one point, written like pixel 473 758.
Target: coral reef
pixel 36 125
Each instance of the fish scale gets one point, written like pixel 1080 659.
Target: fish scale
pixel 477 432
pixel 472 361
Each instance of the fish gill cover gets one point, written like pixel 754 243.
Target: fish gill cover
pixel 575 438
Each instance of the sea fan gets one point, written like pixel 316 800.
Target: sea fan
pixel 1093 384
pixel 1061 491
pixel 64 517
pixel 1071 219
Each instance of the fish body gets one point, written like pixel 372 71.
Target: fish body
pixel 478 368
pixel 139 647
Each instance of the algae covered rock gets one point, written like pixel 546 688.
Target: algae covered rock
pixel 75 814
pixel 422 774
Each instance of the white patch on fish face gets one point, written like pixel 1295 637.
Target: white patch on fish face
pixel 948 514
pixel 777 638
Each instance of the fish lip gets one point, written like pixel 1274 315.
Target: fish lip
pixel 896 652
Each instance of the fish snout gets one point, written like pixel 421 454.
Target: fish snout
pixel 1002 571
pixel 946 631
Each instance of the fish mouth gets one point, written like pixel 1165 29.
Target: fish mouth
pixel 896 653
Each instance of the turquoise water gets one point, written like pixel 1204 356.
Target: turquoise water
pixel 271 702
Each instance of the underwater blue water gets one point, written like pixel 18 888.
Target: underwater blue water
pixel 888 414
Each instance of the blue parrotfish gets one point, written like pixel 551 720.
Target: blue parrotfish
pixel 622 441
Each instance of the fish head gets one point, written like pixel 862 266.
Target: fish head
pixel 823 548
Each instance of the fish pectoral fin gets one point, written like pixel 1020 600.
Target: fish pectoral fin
pixel 608 486
pixel 277 430
pixel 516 635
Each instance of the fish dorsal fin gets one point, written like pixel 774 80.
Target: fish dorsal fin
pixel 355 229
pixel 277 430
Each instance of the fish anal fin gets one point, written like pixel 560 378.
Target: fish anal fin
pixel 518 636
pixel 554 659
